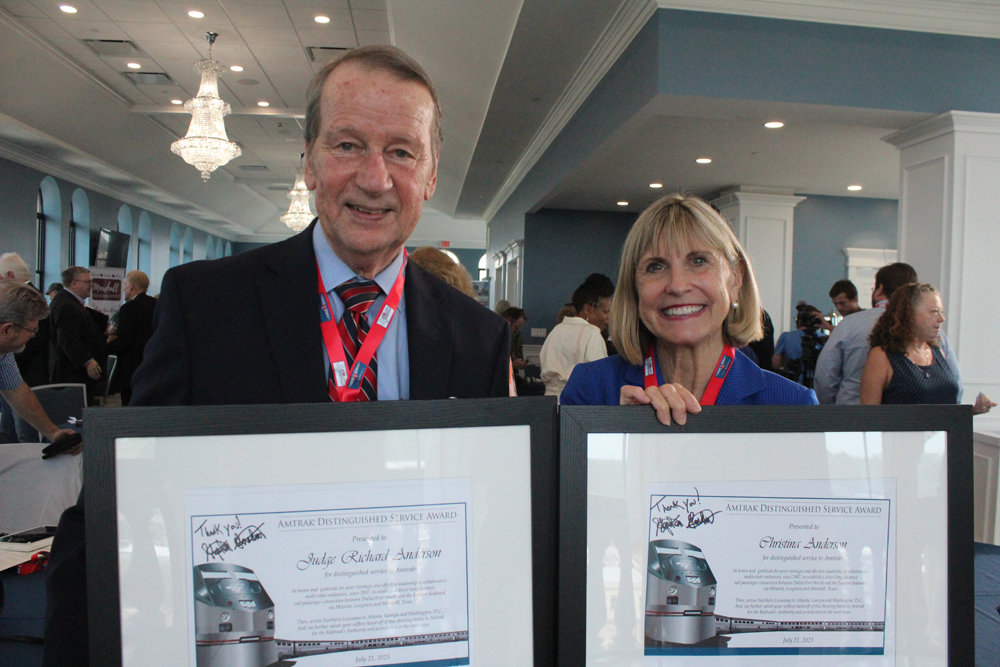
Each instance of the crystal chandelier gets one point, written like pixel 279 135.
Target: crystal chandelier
pixel 206 146
pixel 299 214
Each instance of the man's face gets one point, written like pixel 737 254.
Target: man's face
pixel 515 325
pixel 844 305
pixel 81 285
pixel 129 291
pixel 13 338
pixel 371 164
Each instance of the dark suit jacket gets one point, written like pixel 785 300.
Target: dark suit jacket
pixel 74 340
pixel 246 330
pixel 135 327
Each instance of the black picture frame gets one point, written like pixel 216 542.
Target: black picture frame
pixel 103 426
pixel 576 423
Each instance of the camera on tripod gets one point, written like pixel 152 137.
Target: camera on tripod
pixel 809 321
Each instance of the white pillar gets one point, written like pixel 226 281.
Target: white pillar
pixel 763 220
pixel 949 231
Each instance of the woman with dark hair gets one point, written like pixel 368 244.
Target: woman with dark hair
pixel 686 302
pixel 906 364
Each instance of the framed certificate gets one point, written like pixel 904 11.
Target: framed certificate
pixel 766 536
pixel 395 533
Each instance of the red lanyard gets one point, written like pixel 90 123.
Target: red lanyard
pixel 346 387
pixel 726 360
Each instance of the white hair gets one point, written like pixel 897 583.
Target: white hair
pixel 13 263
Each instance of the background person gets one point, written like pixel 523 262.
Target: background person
pixel 845 297
pixel 77 348
pixel 134 329
pixel 444 267
pixel 906 364
pixel 32 361
pixel 577 339
pixel 686 298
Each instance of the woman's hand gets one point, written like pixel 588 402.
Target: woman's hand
pixel 666 399
pixel 983 404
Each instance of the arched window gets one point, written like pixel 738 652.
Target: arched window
pixel 210 248
pixel 187 247
pixel 79 229
pixel 144 247
pixel 125 227
pixel 229 249
pixel 484 271
pixel 220 250
pixel 175 245
pixel 49 231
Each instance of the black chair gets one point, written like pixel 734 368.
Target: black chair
pixel 60 402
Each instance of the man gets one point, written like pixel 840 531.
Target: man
pixel 576 340
pixel 842 361
pixel 21 308
pixel 516 317
pixel 788 350
pixel 248 329
pixel 845 297
pixel 33 361
pixel 77 349
pixel 135 327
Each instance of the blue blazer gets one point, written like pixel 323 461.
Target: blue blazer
pixel 600 383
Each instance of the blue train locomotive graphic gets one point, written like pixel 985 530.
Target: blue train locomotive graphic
pixel 680 602
pixel 234 624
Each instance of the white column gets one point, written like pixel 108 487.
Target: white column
pixel 949 232
pixel 763 220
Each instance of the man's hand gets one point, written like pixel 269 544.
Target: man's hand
pixel 65 432
pixel 983 404
pixel 666 400
pixel 93 369
pixel 518 363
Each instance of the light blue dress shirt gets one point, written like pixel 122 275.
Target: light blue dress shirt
pixel 393 353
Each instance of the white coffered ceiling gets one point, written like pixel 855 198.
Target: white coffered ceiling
pixel 510 72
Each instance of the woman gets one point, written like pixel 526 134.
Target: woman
pixel 686 299
pixel 906 364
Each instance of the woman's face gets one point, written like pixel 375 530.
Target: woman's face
pixel 928 317
pixel 685 294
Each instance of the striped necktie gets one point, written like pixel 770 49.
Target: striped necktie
pixel 357 296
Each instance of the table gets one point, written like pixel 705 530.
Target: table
pixel 34 492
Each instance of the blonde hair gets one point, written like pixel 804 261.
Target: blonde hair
pixel 138 279
pixel 444 267
pixel 682 221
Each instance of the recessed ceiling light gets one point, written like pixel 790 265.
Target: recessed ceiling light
pixel 703 160
pixel 195 14
pixel 322 19
pixel 263 104
pixel 774 124
pixel 69 9
pixel 853 187
pixel 236 68
pixel 656 185
pixel 623 203
pixel 176 102
pixel 134 65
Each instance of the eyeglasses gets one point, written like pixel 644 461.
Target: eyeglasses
pixel 33 332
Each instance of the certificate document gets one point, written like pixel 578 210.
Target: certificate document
pixel 770 569
pixel 331 575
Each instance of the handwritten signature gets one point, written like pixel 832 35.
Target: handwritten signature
pixel 241 535
pixel 670 519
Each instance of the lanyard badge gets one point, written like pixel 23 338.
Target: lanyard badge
pixel 725 362
pixel 345 383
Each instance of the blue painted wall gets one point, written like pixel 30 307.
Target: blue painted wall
pixel 824 226
pixel 562 248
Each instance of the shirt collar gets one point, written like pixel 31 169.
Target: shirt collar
pixel 335 271
pixel 77 297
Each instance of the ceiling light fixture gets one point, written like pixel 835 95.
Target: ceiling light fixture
pixel 704 160
pixel 299 214
pixel 263 104
pixel 656 185
pixel 176 102
pixel 623 203
pixel 69 9
pixel 195 14
pixel 206 146
pixel 236 68
pixel 134 65
pixel 853 188
pixel 774 124
pixel 322 19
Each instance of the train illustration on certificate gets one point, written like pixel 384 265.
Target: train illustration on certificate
pixel 680 603
pixel 235 622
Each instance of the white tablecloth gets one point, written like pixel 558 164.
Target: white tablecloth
pixel 34 492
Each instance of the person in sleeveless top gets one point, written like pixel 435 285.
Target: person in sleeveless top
pixel 906 364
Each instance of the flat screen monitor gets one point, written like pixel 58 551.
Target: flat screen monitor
pixel 112 249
